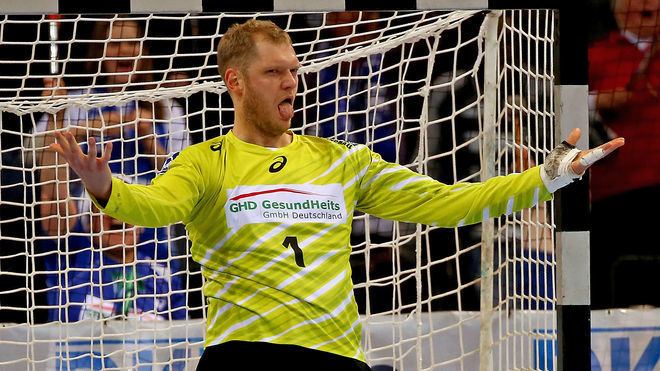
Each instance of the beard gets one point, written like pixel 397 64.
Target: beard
pixel 259 118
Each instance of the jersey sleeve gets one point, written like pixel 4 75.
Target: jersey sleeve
pixel 392 191
pixel 170 198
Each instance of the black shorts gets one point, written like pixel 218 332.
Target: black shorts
pixel 253 356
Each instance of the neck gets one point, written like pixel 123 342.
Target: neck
pixel 254 135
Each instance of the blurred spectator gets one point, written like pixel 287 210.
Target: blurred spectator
pixel 453 143
pixel 531 248
pixel 108 272
pixel 21 293
pixel 624 78
pixel 124 65
pixel 143 134
pixel 356 101
pixel 99 267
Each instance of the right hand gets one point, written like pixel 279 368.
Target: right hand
pixel 93 171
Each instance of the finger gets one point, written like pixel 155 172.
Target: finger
pixel 591 157
pixel 594 155
pixel 601 151
pixel 574 136
pixel 91 149
pixel 613 144
pixel 56 147
pixel 71 141
pixel 67 141
pixel 60 141
pixel 107 153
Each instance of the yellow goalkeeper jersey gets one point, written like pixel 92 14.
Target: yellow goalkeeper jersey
pixel 271 228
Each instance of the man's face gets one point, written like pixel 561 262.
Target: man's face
pixel 360 27
pixel 641 17
pixel 122 51
pixel 271 82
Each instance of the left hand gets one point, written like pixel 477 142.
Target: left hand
pixel 566 163
pixel 588 157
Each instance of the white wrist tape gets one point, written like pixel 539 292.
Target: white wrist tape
pixel 556 171
pixel 591 157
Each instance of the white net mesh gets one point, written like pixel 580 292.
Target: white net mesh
pixel 411 85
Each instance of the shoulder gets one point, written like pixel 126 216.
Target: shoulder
pixel 206 148
pixel 200 155
pixel 331 144
pixel 337 150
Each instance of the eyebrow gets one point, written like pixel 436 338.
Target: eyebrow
pixel 276 65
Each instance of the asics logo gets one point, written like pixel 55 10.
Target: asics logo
pixel 279 163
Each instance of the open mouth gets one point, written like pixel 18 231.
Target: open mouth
pixel 124 66
pixel 647 13
pixel 285 109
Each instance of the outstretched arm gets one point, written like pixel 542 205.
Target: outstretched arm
pixel 394 192
pixel 92 170
pixel 170 198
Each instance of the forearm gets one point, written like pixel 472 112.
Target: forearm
pixel 159 204
pixel 57 211
pixel 430 202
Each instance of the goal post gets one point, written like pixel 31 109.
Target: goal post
pixel 460 95
pixel 572 227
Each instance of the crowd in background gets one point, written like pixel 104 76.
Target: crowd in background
pixel 624 81
pixel 107 269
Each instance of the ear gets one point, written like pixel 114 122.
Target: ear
pixel 233 81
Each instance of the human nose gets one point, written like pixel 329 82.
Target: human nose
pixel 128 48
pixel 290 80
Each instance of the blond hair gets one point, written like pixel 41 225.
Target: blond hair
pixel 236 48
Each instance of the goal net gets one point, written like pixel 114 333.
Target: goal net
pixel 457 95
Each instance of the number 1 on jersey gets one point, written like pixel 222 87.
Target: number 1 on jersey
pixel 297 251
